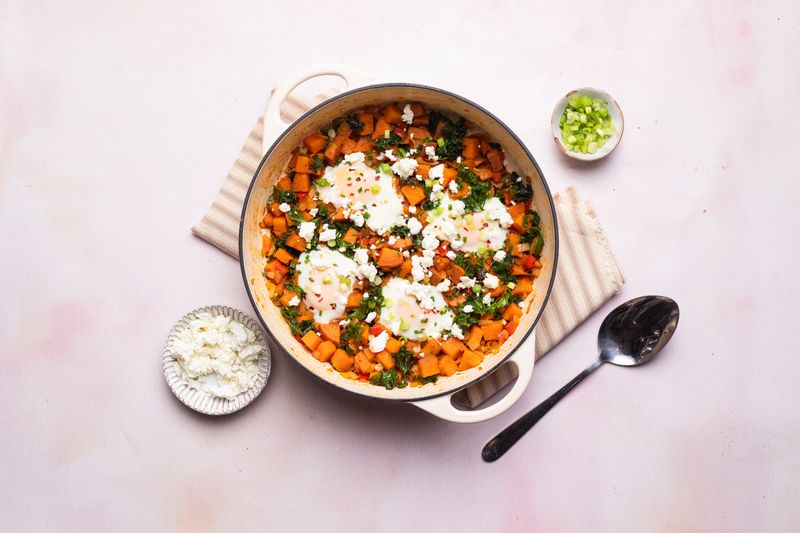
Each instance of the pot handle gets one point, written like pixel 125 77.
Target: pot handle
pixel 274 125
pixel 523 358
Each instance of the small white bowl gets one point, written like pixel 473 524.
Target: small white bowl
pixel 616 118
pixel 202 401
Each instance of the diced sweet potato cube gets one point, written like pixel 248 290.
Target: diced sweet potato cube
pixel 266 244
pixel 301 182
pixel 266 220
pixel 331 332
pixel 386 359
pixel 363 145
pixel 342 361
pixel 324 351
pixel 315 142
pixel 283 256
pixel 453 347
pixel 295 241
pixel 418 110
pixel 512 313
pixel 454 272
pixel 279 225
pixel 392 114
pixel 495 158
pixel 519 223
pixel 517 209
pixel 331 153
pixel 284 184
pixel 380 128
pixel 348 146
pixel 413 194
pixel 389 259
pixel 418 133
pixel 471 147
pixel 448 175
pixel 470 359
pixel 350 235
pixel 447 366
pixel 474 337
pixel 312 340
pixel 301 164
pixel 523 288
pixel 423 169
pixel 393 345
pixel 428 366
pixel 492 330
pixel 366 119
pixel 353 300
pixel 363 365
pixel 405 268
pixel 287 297
pixel 432 347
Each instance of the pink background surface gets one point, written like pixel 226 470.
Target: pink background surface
pixel 118 122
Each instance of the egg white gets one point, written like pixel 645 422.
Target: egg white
pixel 357 187
pixel 327 277
pixel 480 231
pixel 414 310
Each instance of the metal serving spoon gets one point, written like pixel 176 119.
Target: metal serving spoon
pixel 632 334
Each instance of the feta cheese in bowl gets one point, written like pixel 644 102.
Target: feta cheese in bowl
pixel 216 360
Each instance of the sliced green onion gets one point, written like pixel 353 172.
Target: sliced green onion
pixel 585 124
pixel 322 182
pixel 440 142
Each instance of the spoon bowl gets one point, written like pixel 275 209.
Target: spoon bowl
pixel 631 335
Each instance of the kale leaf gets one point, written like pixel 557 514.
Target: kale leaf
pixel 451 143
pixel 384 143
pixel 521 190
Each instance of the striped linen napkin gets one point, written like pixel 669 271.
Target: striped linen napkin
pixel 587 276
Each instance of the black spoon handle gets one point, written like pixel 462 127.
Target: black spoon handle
pixel 499 445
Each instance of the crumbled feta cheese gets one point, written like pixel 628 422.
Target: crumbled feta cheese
pixel 378 343
pixel 412 209
pixel 430 153
pixel 370 317
pixel 217 355
pixel 357 218
pixel 391 240
pixel 465 282
pixel 444 285
pixel 453 186
pixel 405 253
pixel 368 271
pixel 343 323
pixel 487 298
pixel 468 308
pixel 456 331
pixel 491 281
pixel 389 155
pixel 408 114
pixel 313 212
pixel 306 230
pixel 295 301
pixel 429 242
pixel 361 256
pixel 436 173
pixel 500 255
pixel 284 207
pixel 414 226
pixel 405 167
pixel 327 234
pixel 458 159
pixel 451 255
pixel 355 157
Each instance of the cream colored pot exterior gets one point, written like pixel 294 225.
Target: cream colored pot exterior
pixel 273 166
